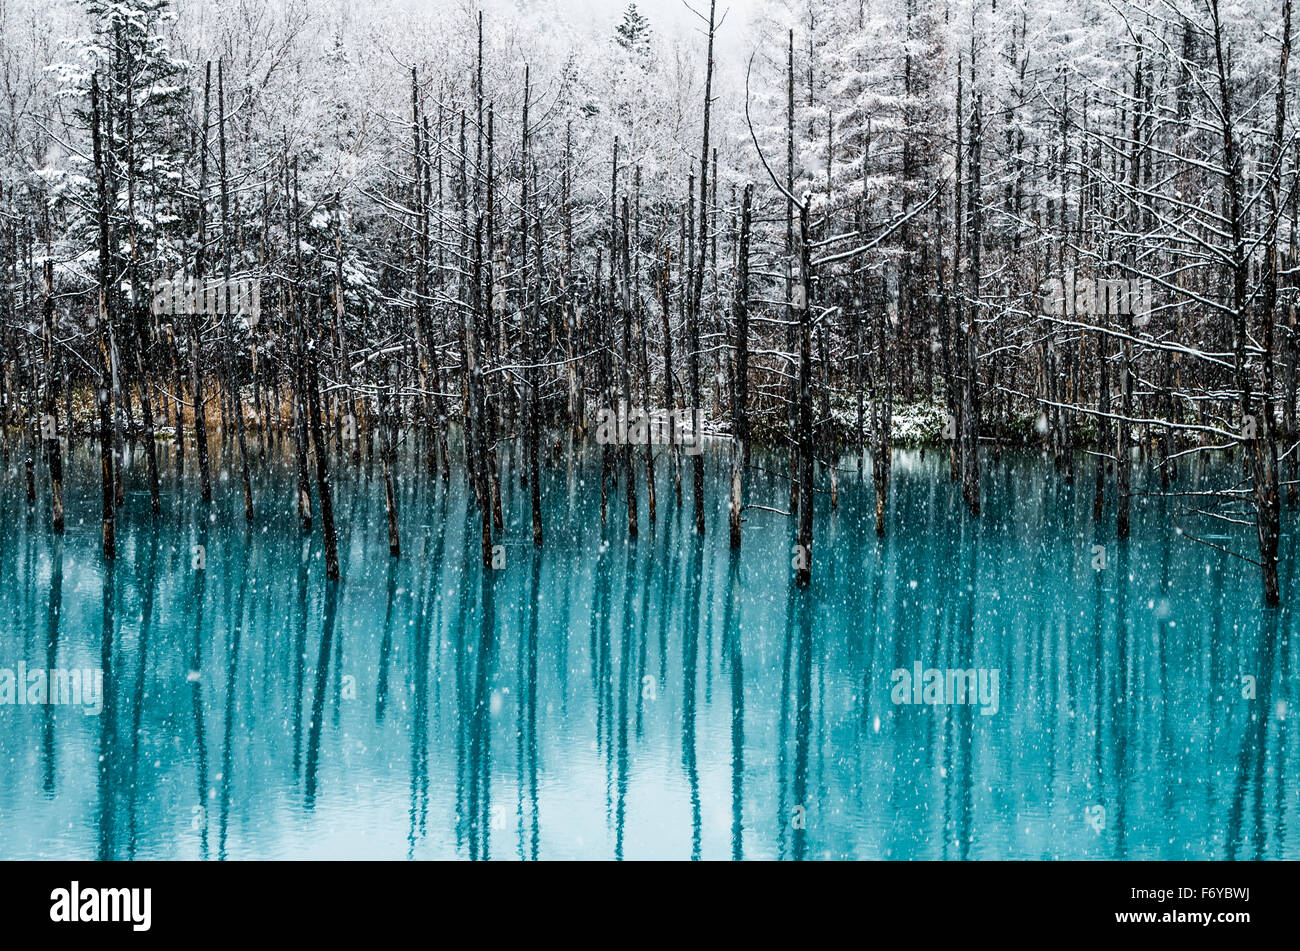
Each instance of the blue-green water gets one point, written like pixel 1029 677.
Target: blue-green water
pixel 653 699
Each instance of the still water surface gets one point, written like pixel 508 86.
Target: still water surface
pixel 654 699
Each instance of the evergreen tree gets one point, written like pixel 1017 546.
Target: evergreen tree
pixel 146 95
pixel 633 34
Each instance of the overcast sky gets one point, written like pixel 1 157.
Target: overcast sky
pixel 669 16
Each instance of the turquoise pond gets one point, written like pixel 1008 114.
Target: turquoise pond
pixel 659 698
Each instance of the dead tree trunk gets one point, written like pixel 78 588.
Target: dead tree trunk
pixel 697 292
pixel 740 387
pixel 388 455
pixel 104 316
pixel 232 362
pixel 50 418
pixel 195 318
pixel 804 435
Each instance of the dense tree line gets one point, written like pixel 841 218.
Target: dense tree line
pixel 1070 224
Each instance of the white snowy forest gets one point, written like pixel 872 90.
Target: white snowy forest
pixel 469 223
